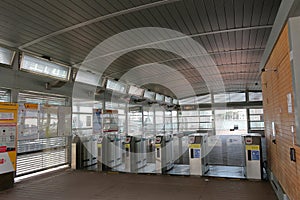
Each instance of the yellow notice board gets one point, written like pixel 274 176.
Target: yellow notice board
pixel 252 147
pixel 195 146
pixel 8 113
pixel 8 136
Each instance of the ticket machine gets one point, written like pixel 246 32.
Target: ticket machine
pixel 135 156
pixel 253 151
pixel 8 144
pixel 197 154
pixel 163 153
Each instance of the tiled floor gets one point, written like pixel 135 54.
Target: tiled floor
pixel 88 185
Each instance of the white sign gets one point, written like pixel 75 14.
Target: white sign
pixel 289 102
pixel 5 164
pixel 6 116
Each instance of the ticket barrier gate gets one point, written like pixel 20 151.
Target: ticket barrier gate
pixel 253 152
pixel 135 156
pixel 197 154
pixel 163 153
pixel 111 151
pixel 86 151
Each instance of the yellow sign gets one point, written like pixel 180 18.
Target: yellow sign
pixel 99 145
pixel 13 157
pixel 252 147
pixel 127 146
pixel 31 106
pixel 195 146
pixel 8 113
pixel 157 145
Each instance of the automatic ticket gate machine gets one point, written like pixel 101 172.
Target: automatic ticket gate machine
pixel 253 152
pixel 135 156
pixel 197 154
pixel 110 147
pixel 163 153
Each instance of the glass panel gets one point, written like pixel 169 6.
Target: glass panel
pixel 82 121
pixel 41 66
pixel 205 112
pixel 255 118
pixel 229 122
pixel 189 113
pixel 41 99
pixel 256 111
pixel 257 125
pixel 237 97
pixel 255 96
pixel 4 95
pixel 205 125
pixel 206 119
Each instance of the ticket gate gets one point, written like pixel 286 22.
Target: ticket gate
pixel 197 154
pixel 86 151
pixel 253 152
pixel 163 153
pixel 135 156
pixel 111 151
pixel 100 153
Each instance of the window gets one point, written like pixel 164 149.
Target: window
pixel 204 99
pixel 256 119
pixel 206 119
pixel 255 96
pixel 44 67
pixel 230 97
pixel 4 95
pixel 189 120
pixel 41 99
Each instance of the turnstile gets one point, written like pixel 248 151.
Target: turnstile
pixel 100 152
pixel 86 151
pixel 253 150
pixel 197 154
pixel 135 156
pixel 111 149
pixel 163 153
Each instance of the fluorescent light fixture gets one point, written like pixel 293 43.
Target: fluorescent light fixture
pixel 88 77
pixel 149 95
pixel 136 91
pixel 168 99
pixel 6 56
pixel 159 97
pixel 44 67
pixel 116 86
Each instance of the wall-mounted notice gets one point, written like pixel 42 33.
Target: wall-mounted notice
pixel 6 116
pixel 289 102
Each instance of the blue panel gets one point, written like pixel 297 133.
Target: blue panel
pixel 255 155
pixel 197 153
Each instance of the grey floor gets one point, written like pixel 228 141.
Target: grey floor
pixel 91 185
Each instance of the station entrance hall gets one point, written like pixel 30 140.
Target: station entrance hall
pixel 150 99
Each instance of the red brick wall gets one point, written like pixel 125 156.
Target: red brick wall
pixel 276 86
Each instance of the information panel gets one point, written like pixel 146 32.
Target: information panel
pixel 8 137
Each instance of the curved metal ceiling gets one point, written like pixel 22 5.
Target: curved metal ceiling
pixel 233 33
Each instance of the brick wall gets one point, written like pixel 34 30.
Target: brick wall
pixel 276 85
